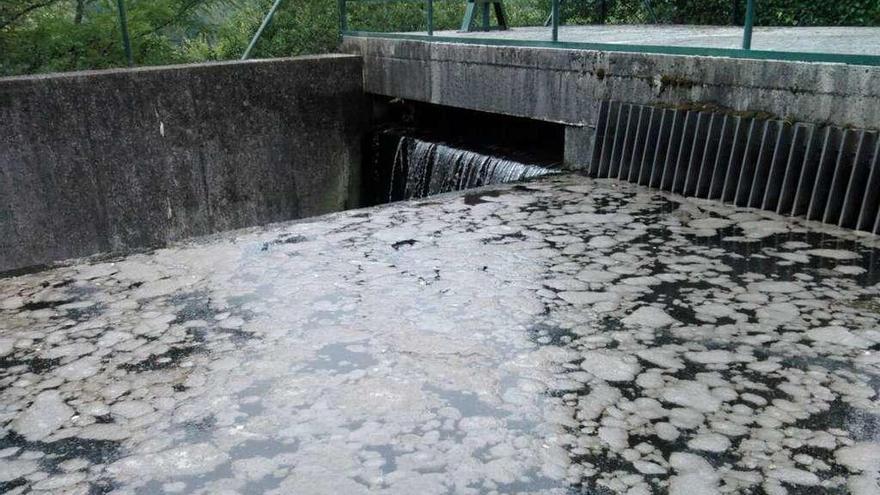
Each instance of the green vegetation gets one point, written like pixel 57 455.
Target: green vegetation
pixel 61 35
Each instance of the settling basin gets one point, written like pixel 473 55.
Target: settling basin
pixel 565 335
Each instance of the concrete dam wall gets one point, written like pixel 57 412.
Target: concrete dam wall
pixel 117 160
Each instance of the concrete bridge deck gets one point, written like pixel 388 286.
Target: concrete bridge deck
pixel 564 335
pixel 838 40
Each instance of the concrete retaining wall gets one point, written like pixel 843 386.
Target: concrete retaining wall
pixel 562 85
pixel 114 160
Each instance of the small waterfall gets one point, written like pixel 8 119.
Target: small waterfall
pixel 422 168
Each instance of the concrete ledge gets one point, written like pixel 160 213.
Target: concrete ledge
pixel 113 160
pixel 564 85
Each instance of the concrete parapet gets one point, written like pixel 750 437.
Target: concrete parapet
pixel 109 161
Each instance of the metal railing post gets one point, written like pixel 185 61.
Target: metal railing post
pixel 485 6
pixel 430 17
pixel 343 16
pixel 555 19
pixel 123 26
pixel 266 21
pixel 747 25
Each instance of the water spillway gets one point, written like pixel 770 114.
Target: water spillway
pixel 407 166
pixel 423 168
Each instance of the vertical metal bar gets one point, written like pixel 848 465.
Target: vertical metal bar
pixel 123 26
pixel 430 17
pixel 638 144
pixel 500 15
pixel 741 136
pixel 747 25
pixel 343 16
pixel 758 133
pixel 468 19
pixel 853 194
pixel 697 158
pixel 841 175
pixel 651 138
pixel 803 135
pixel 555 20
pixel 665 129
pixel 722 156
pixel 651 14
pixel 679 172
pixel 485 15
pixel 627 142
pixel 611 136
pixel 781 153
pixel 832 148
pixel 774 133
pixel 678 121
pixel 650 146
pixel 266 21
pixel 871 201
pixel 817 146
pixel 713 141
pixel 599 137
pixel 620 136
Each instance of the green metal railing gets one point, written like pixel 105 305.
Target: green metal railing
pixel 428 15
pixel 747 26
pixel 126 37
pixel 123 28
pixel 266 21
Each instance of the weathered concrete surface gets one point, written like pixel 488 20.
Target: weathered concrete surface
pixel 562 336
pixel 579 143
pixel 114 160
pixel 565 85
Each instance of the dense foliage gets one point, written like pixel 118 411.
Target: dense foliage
pixel 61 35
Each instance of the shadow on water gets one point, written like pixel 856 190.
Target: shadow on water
pixel 476 198
pixel 59 451
pixel 189 307
pixel 741 260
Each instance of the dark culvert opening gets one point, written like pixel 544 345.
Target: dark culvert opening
pixel 416 150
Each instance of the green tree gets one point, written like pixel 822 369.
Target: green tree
pixel 299 27
pixel 61 35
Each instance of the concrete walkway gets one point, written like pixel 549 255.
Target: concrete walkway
pixel 563 336
pixel 848 40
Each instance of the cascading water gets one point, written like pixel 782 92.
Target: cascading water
pixel 421 168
